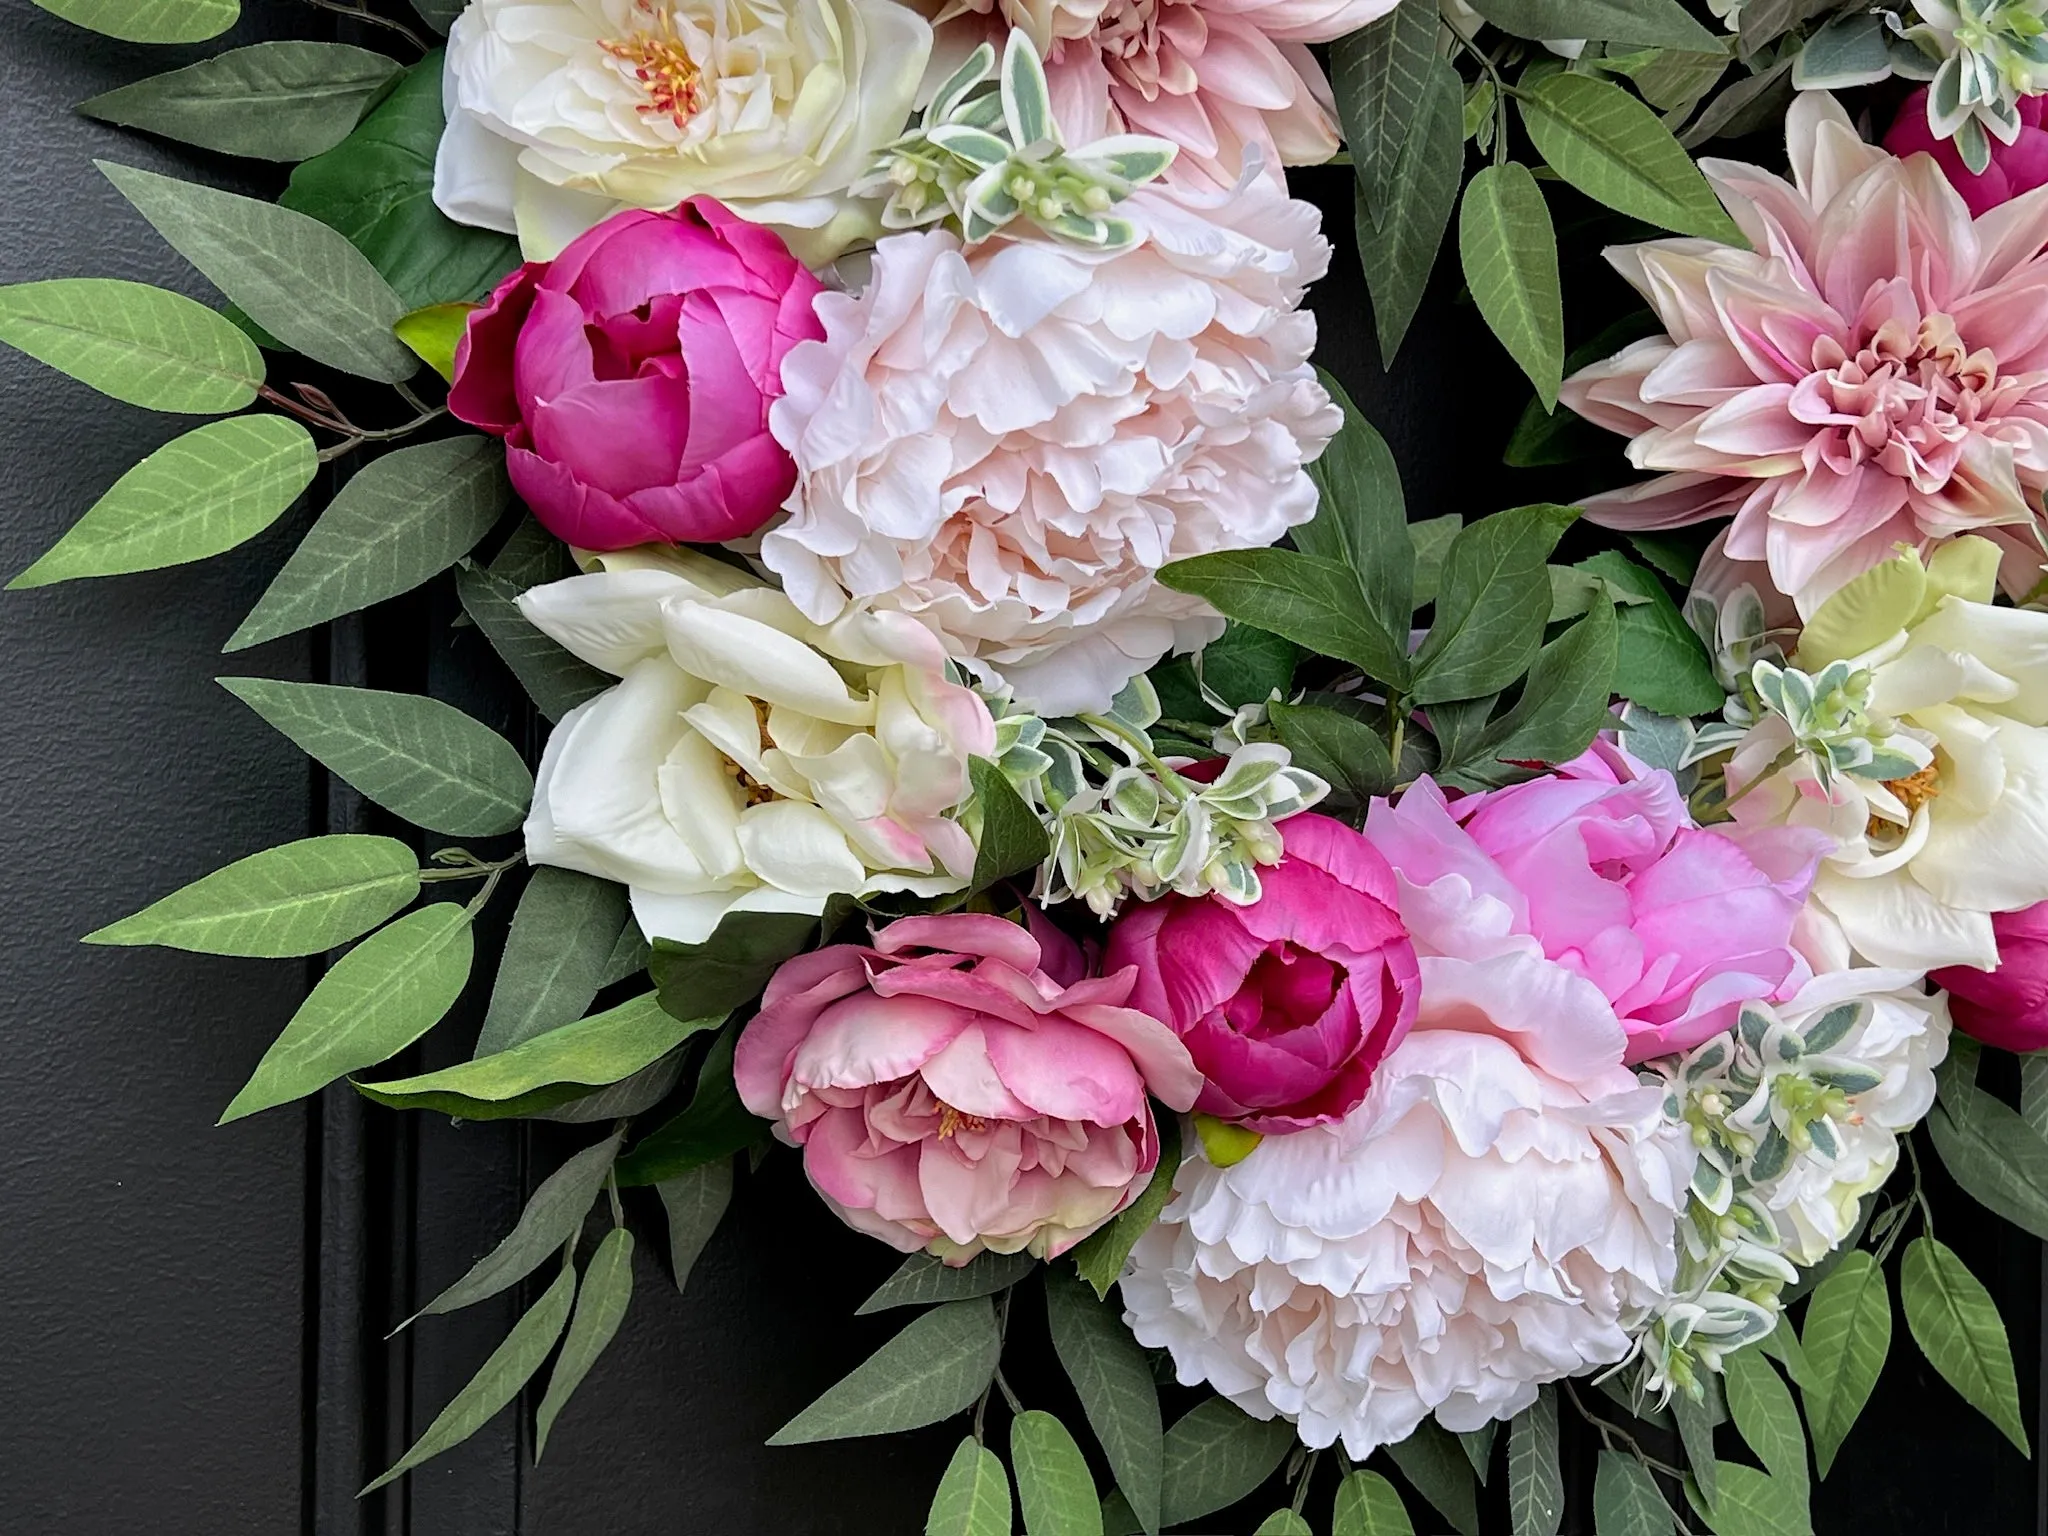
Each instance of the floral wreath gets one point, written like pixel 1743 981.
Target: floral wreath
pixel 1008 743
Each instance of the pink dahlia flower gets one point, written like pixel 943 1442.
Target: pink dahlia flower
pixel 1874 373
pixel 1598 865
pixel 1216 77
pixel 2006 1007
pixel 2015 168
pixel 1289 1004
pixel 961 1085
pixel 631 377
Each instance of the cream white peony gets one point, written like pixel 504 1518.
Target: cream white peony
pixel 561 112
pixel 1008 441
pixel 748 760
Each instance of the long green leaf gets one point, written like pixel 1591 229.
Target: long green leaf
pixel 1645 23
pixel 422 759
pixel 923 1280
pixel 1612 148
pixel 555 679
pixel 1369 1505
pixel 1764 1413
pixel 2000 1161
pixel 1626 1501
pixel 1564 703
pixel 291 274
pixel 405 518
pixel 1335 746
pixel 930 1371
pixel 1535 1480
pixel 556 958
pixel 1214 1455
pixel 1307 599
pixel 1114 1382
pixel 1362 519
pixel 1492 602
pixel 197 496
pixel 1398 242
pixel 715 1125
pixel 1053 1482
pixel 1283 1522
pixel 1099 1257
pixel 694 1202
pixel 973 1497
pixel 601 1303
pixel 1847 1335
pixel 1696 1439
pixel 1508 248
pixel 1432 1459
pixel 1380 75
pixel 284 101
pixel 1956 1323
pixel 372 1003
pixel 303 898
pixel 149 21
pixel 1753 1503
pixel 147 346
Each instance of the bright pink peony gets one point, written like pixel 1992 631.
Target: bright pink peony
pixel 1874 373
pixel 2017 167
pixel 961 1085
pixel 1287 1005
pixel 631 377
pixel 1599 864
pixel 2008 1007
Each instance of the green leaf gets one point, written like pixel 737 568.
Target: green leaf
pixel 2034 1091
pixel 1215 1455
pixel 1368 1505
pixel 1782 1345
pixel 729 969
pixel 146 346
pixel 2000 1161
pixel 930 1371
pixel 924 1279
pixel 303 898
pixel 1244 665
pixel 1478 1447
pixel 284 101
pixel 511 1365
pixel 1054 1485
pixel 1380 75
pixel 1362 519
pixel 372 1003
pixel 433 332
pixel 1508 247
pixel 1764 1413
pixel 1398 239
pixel 377 188
pixel 715 1125
pixel 1678 79
pixel 973 1497
pixel 1626 1501
pixel 1335 746
pixel 1435 1463
pixel 439 14
pixel 197 496
pixel 1660 663
pixel 1114 1382
pixel 1431 539
pixel 1753 1503
pixel 1535 1481
pixel 1564 703
pixel 1099 1257
pixel 1310 600
pixel 149 21
pixel 417 757
pixel 1493 601
pixel 556 956
pixel 553 678
pixel 1011 840
pixel 1646 23
pixel 1283 1522
pixel 403 519
pixel 694 1202
pixel 1696 1437
pixel 1612 148
pixel 1847 1334
pixel 552 1216
pixel 601 1304
pixel 293 275
pixel 551 1069
pixel 1957 1326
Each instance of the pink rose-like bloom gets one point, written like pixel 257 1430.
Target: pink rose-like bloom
pixel 631 377
pixel 962 1085
pixel 2006 1007
pixel 1874 372
pixel 2017 167
pixel 1287 1005
pixel 1600 866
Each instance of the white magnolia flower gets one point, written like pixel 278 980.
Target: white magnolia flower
pixel 561 112
pixel 1922 859
pixel 1498 1213
pixel 748 760
pixel 1009 441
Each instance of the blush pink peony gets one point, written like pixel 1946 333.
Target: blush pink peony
pixel 960 1085
pixel 631 377
pixel 1289 1004
pixel 2015 168
pixel 1600 866
pixel 1874 372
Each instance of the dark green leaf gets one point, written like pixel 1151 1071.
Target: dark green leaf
pixel 1696 1436
pixel 270 101
pixel 1310 600
pixel 556 956
pixel 553 678
pixel 1054 1485
pixel 1362 519
pixel 1114 1381
pixel 1753 1503
pixel 147 346
pixel 928 1372
pixel 1646 23
pixel 1535 1481
pixel 973 1497
pixel 1676 554
pixel 601 1304
pixel 1215 1455
pixel 149 21
pixel 1431 539
pixel 439 14
pixel 1847 1335
pixel 924 1279
pixel 1768 20
pixel 1626 1501
pixel 1337 747
pixel 1660 663
pixel 1099 1257
pixel 694 1202
pixel 1398 241
pixel 1764 1413
pixel 729 969
pixel 1957 1326
pixel 1478 1447
pixel 1368 1505
pixel 1493 601
pixel 2000 1161
pixel 1564 704
pixel 1244 665
pixel 715 1126
pixel 1508 248
pixel 1010 839
pixel 1612 148
pixel 1435 1463
pixel 1380 75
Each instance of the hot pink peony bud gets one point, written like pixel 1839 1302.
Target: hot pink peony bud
pixel 2007 1007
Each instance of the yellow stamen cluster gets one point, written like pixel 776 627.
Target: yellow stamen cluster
pixel 661 62
pixel 952 1121
pixel 1914 791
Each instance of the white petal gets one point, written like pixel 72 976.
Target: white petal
pixel 760 661
pixel 796 848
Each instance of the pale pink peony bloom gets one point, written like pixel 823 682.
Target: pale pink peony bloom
pixel 1008 441
pixel 1873 373
pixel 1216 77
pixel 962 1085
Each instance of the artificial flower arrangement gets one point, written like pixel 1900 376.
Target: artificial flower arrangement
pixel 1009 747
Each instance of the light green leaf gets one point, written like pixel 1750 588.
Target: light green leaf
pixel 1782 1345
pixel 1009 837
pixel 284 101
pixel 403 519
pixel 1753 1503
pixel 1099 1257
pixel 1215 1455
pixel 1847 1334
pixel 1368 1505
pixel 2034 1091
pixel 973 1497
pixel 1283 1522
pixel 924 1279
pixel 930 1371
pixel 422 759
pixel 197 496
pixel 1659 662
pixel 601 1303
pixel 293 275
pixel 1612 148
pixel 303 898
pixel 1696 1437
pixel 714 1126
pixel 1957 1326
pixel 553 678
pixel 1310 600
pixel 1508 247
pixel 1678 79
pixel 1535 1481
pixel 1380 75
pixel 1362 519
pixel 146 346
pixel 1399 239
pixel 1054 1485
pixel 1646 23
pixel 1336 746
pixel 511 1365
pixel 1492 603
pixel 695 1202
pixel 1114 1382
pixel 149 21
pixel 563 935
pixel 434 332
pixel 1435 1463
pixel 1626 1501
pixel 1764 1413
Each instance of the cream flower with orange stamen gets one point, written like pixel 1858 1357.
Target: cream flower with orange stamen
pixel 560 112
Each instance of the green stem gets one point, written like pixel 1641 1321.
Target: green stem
pixel 1141 746
pixel 365 14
